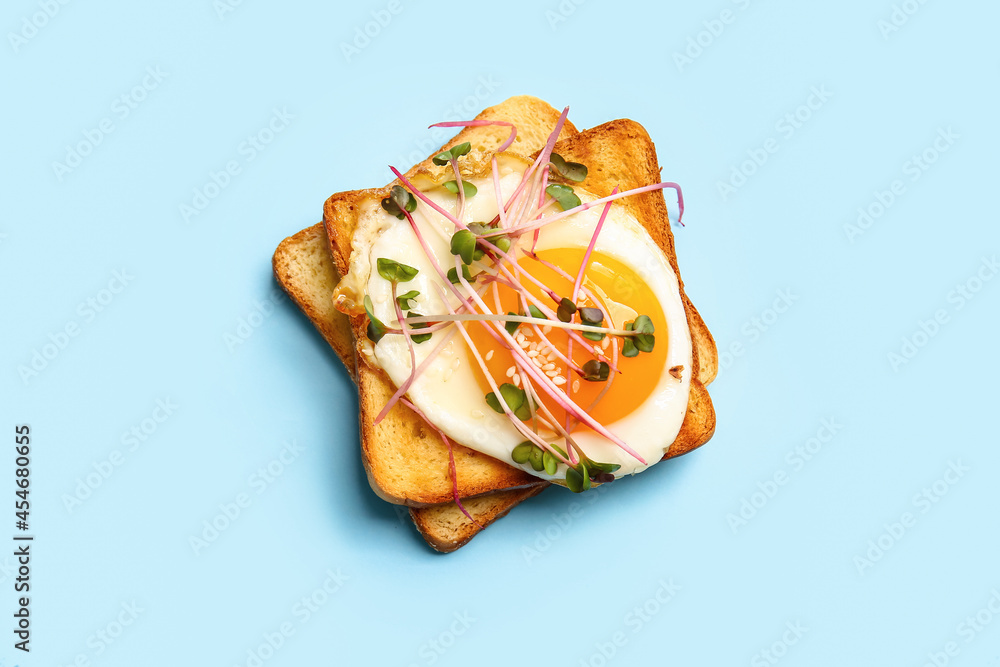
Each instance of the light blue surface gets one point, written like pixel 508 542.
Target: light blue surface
pixel 190 285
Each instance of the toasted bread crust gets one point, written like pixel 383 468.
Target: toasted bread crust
pixel 403 458
pixel 304 269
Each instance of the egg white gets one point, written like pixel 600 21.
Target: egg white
pixel 448 393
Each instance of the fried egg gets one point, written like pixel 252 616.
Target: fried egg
pixel 627 275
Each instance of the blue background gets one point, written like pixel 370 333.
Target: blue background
pixel 786 229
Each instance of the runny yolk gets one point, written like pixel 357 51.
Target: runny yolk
pixel 618 290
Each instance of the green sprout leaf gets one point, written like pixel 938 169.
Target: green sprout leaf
pixel 592 316
pixel 470 189
pixel 419 338
pixel 453 274
pixel 515 399
pixel 596 371
pixel 463 244
pixel 571 171
pixel 492 234
pixel 578 479
pixel 522 452
pixel 375 327
pixel 536 459
pixel 399 200
pixel 550 462
pixel 405 301
pixel 566 310
pixel 645 340
pixel 454 152
pixel 603 467
pixel 564 195
pixel 394 271
pixel 536 313
pixel 628 346
pixel 511 327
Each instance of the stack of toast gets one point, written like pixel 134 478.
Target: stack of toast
pixel 406 461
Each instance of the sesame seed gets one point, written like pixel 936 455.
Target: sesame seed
pixel 456 363
pixel 511 371
pixel 533 353
pixel 559 380
pixel 520 339
pixel 576 386
pixel 552 373
pixel 477 414
pixel 446 375
pixel 489 355
pixel 546 330
pixel 605 343
pixel 548 367
pixel 516 380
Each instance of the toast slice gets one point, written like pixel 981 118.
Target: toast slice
pixel 305 270
pixel 406 461
pixel 618 153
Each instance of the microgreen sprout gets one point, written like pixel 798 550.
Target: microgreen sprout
pixel 399 200
pixel 395 272
pixel 596 371
pixel 419 338
pixel 564 195
pixel 515 398
pixel 376 330
pixel 452 187
pixel 566 310
pixel 406 300
pixel 453 153
pixel 453 275
pixel 464 244
pixel 643 339
pixel 571 171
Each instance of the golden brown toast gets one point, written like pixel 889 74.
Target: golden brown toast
pixel 405 460
pixel 305 270
pixel 617 153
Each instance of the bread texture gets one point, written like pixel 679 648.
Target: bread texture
pixel 405 460
pixel 304 269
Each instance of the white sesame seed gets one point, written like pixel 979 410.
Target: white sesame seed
pixel 511 371
pixel 489 355
pixel 546 330
pixel 576 386
pixel 456 363
pixel 520 339
pixel 477 414
pixel 597 349
pixel 605 343
pixel 516 380
pixel 532 353
pixel 552 373
pixel 446 375
pixel 529 333
pixel 559 380
pixel 548 367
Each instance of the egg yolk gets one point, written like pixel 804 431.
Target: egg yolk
pixel 619 291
